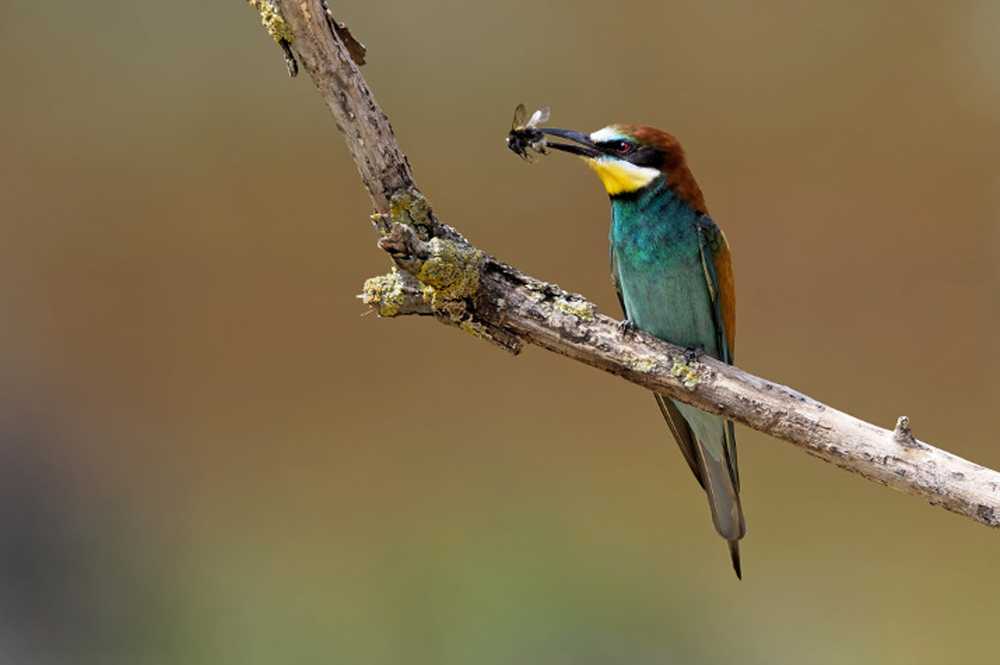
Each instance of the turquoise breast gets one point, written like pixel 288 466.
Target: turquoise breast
pixel 657 261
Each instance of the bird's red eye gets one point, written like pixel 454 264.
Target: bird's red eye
pixel 623 147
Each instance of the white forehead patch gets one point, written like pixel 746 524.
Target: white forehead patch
pixel 606 134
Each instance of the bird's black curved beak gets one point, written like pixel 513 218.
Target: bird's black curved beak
pixel 581 144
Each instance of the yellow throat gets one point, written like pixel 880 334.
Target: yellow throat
pixel 621 177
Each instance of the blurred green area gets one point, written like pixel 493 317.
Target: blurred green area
pixel 210 455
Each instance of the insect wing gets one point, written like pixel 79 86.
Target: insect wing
pixel 519 114
pixel 539 117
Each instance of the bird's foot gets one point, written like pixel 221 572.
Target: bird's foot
pixel 693 353
pixel 626 327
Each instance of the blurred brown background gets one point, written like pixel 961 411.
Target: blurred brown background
pixel 208 453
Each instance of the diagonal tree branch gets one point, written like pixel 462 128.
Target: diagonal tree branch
pixel 438 273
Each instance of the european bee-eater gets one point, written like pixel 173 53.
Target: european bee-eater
pixel 672 268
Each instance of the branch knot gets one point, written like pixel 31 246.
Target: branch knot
pixel 903 435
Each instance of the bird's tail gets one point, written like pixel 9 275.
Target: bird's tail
pixel 734 554
pixel 724 500
pixel 717 467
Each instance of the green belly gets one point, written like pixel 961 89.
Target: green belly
pixel 661 277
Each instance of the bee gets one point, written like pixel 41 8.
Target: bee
pixel 526 136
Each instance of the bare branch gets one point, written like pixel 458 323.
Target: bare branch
pixel 439 273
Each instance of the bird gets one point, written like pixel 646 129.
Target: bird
pixel 672 269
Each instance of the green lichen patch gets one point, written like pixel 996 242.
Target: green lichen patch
pixel 581 309
pixel 273 21
pixel 411 208
pixel 639 363
pixel 450 276
pixel 687 374
pixel 384 293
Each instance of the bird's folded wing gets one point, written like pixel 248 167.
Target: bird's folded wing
pixel 717 262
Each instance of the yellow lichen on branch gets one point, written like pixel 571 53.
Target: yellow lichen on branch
pixel 384 293
pixel 450 276
pixel 411 208
pixel 273 21
pixel 581 309
pixel 686 373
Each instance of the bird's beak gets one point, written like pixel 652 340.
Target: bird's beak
pixel 581 144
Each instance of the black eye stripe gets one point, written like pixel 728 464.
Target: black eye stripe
pixel 618 146
pixel 638 154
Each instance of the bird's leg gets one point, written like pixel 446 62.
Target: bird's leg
pixel 626 327
pixel 693 353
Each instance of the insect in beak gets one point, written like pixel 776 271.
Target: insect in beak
pixel 527 139
pixel 525 136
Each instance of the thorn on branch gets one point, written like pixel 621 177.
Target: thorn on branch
pixel 903 435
